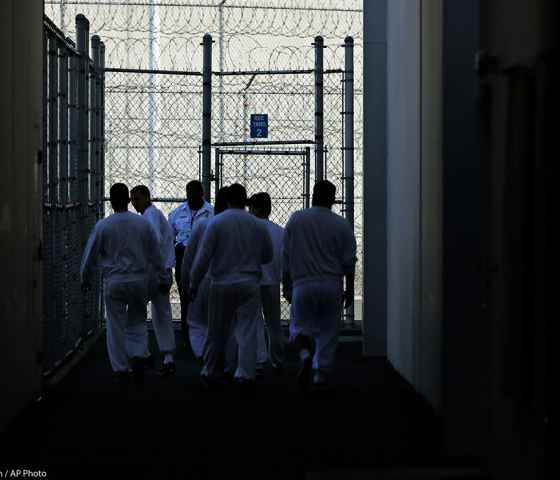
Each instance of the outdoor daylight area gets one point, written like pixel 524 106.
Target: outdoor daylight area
pixel 154 91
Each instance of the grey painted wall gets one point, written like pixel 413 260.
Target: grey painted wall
pixel 403 183
pixel 375 190
pixel 21 30
pixel 463 331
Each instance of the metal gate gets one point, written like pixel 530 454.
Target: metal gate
pixel 257 168
pixel 158 120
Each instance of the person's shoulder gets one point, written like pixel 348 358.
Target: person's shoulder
pixel 177 209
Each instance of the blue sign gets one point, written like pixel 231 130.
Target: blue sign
pixel 259 125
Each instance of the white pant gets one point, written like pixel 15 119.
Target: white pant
pixel 269 318
pixel 316 311
pixel 127 334
pixel 232 311
pixel 197 318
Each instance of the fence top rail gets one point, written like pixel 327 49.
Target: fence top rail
pixel 273 72
pixel 153 72
pixel 52 29
pixel 266 142
pixel 243 151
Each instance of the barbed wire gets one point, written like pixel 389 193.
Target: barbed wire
pixel 153 123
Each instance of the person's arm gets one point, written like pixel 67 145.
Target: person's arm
pixel 171 221
pixel 155 259
pixel 286 279
pixel 267 252
pixel 349 260
pixel 89 259
pixel 203 257
pixel 188 257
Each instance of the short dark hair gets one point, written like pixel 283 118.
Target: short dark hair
pixel 118 195
pixel 324 193
pixel 220 204
pixel 236 195
pixel 261 201
pixel 142 190
pixel 195 185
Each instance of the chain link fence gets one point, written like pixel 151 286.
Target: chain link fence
pixel 73 167
pixel 154 105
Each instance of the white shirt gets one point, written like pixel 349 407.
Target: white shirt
pixel 125 246
pixel 272 272
pixel 318 244
pixel 164 234
pixel 183 220
pixel 233 248
pixel 191 250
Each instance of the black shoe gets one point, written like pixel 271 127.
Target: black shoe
pixel 246 387
pixel 167 369
pixel 304 374
pixel 278 370
pixel 138 367
pixel 260 373
pixel 149 362
pixel 122 378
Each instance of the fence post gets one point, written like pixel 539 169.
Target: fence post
pixel 207 114
pixel 102 129
pixel 349 138
pixel 82 41
pixel 94 126
pixel 319 101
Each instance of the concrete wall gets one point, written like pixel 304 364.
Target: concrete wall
pixel 375 173
pixel 414 193
pixel 21 30
pixel 403 183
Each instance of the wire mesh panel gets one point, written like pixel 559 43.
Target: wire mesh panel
pixel 72 196
pixel 153 129
pixel 283 173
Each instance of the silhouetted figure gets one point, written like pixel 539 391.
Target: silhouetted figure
pixel 234 247
pixel 162 317
pixel 260 205
pixel 125 247
pixel 197 316
pixel 183 220
pixel 319 250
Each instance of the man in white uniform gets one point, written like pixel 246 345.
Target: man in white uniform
pixel 234 247
pixel 183 220
pixel 260 205
pixel 197 316
pixel 161 306
pixel 126 248
pixel 319 251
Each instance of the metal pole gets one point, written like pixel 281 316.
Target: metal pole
pixel 319 100
pixel 221 78
pixel 82 41
pixel 349 138
pixel 217 172
pixel 96 124
pixel 152 105
pixel 53 120
pixel 307 176
pixel 207 114
pixel 93 152
pixel 63 16
pixel 63 122
pixel 102 129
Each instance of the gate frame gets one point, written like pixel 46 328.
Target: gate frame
pixel 221 149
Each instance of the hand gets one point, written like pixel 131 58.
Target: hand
pixel 348 298
pixel 191 294
pixel 287 294
pixel 85 286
